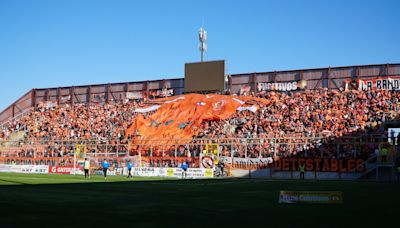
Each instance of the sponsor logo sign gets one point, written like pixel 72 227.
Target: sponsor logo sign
pixel 113 172
pixel 64 170
pixel 146 172
pixel 24 168
pixel 195 173
pixel 318 197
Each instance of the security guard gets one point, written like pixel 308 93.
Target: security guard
pixel 86 167
pixel 302 170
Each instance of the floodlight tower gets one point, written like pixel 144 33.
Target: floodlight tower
pixel 202 44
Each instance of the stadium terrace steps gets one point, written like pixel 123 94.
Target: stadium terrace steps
pixel 379 171
pixel 15 137
pixel 18 136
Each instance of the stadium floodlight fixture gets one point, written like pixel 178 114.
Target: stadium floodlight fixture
pixel 202 44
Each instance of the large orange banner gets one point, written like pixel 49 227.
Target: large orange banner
pixel 180 117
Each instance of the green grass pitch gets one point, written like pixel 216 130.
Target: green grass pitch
pixel 71 201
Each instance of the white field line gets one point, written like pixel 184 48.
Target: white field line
pixel 39 178
pixel 216 182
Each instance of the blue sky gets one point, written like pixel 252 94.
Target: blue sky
pixel 73 42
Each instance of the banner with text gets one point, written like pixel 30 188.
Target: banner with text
pixel 318 197
pixel 192 173
pixel 38 169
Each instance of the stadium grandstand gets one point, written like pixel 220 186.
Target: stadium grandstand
pixel 210 146
pixel 340 122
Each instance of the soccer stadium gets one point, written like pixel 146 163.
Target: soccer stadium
pixel 315 147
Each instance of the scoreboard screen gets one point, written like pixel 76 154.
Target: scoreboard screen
pixel 205 76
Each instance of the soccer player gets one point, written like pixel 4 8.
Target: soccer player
pixel 184 168
pixel 129 165
pixel 86 168
pixel 105 165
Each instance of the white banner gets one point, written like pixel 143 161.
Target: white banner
pixel 379 84
pixel 10 169
pixel 250 161
pixel 148 109
pixel 24 168
pixel 175 100
pixel 193 173
pixel 250 108
pixel 134 95
pixel 277 86
pixel 239 101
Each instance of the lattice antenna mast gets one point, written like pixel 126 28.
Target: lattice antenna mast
pixel 202 44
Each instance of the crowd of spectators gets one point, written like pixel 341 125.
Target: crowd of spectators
pixel 303 123
pixel 102 123
pixel 292 124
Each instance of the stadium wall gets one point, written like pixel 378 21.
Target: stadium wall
pixel 330 78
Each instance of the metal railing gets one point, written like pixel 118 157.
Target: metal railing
pixel 240 147
pixel 239 153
